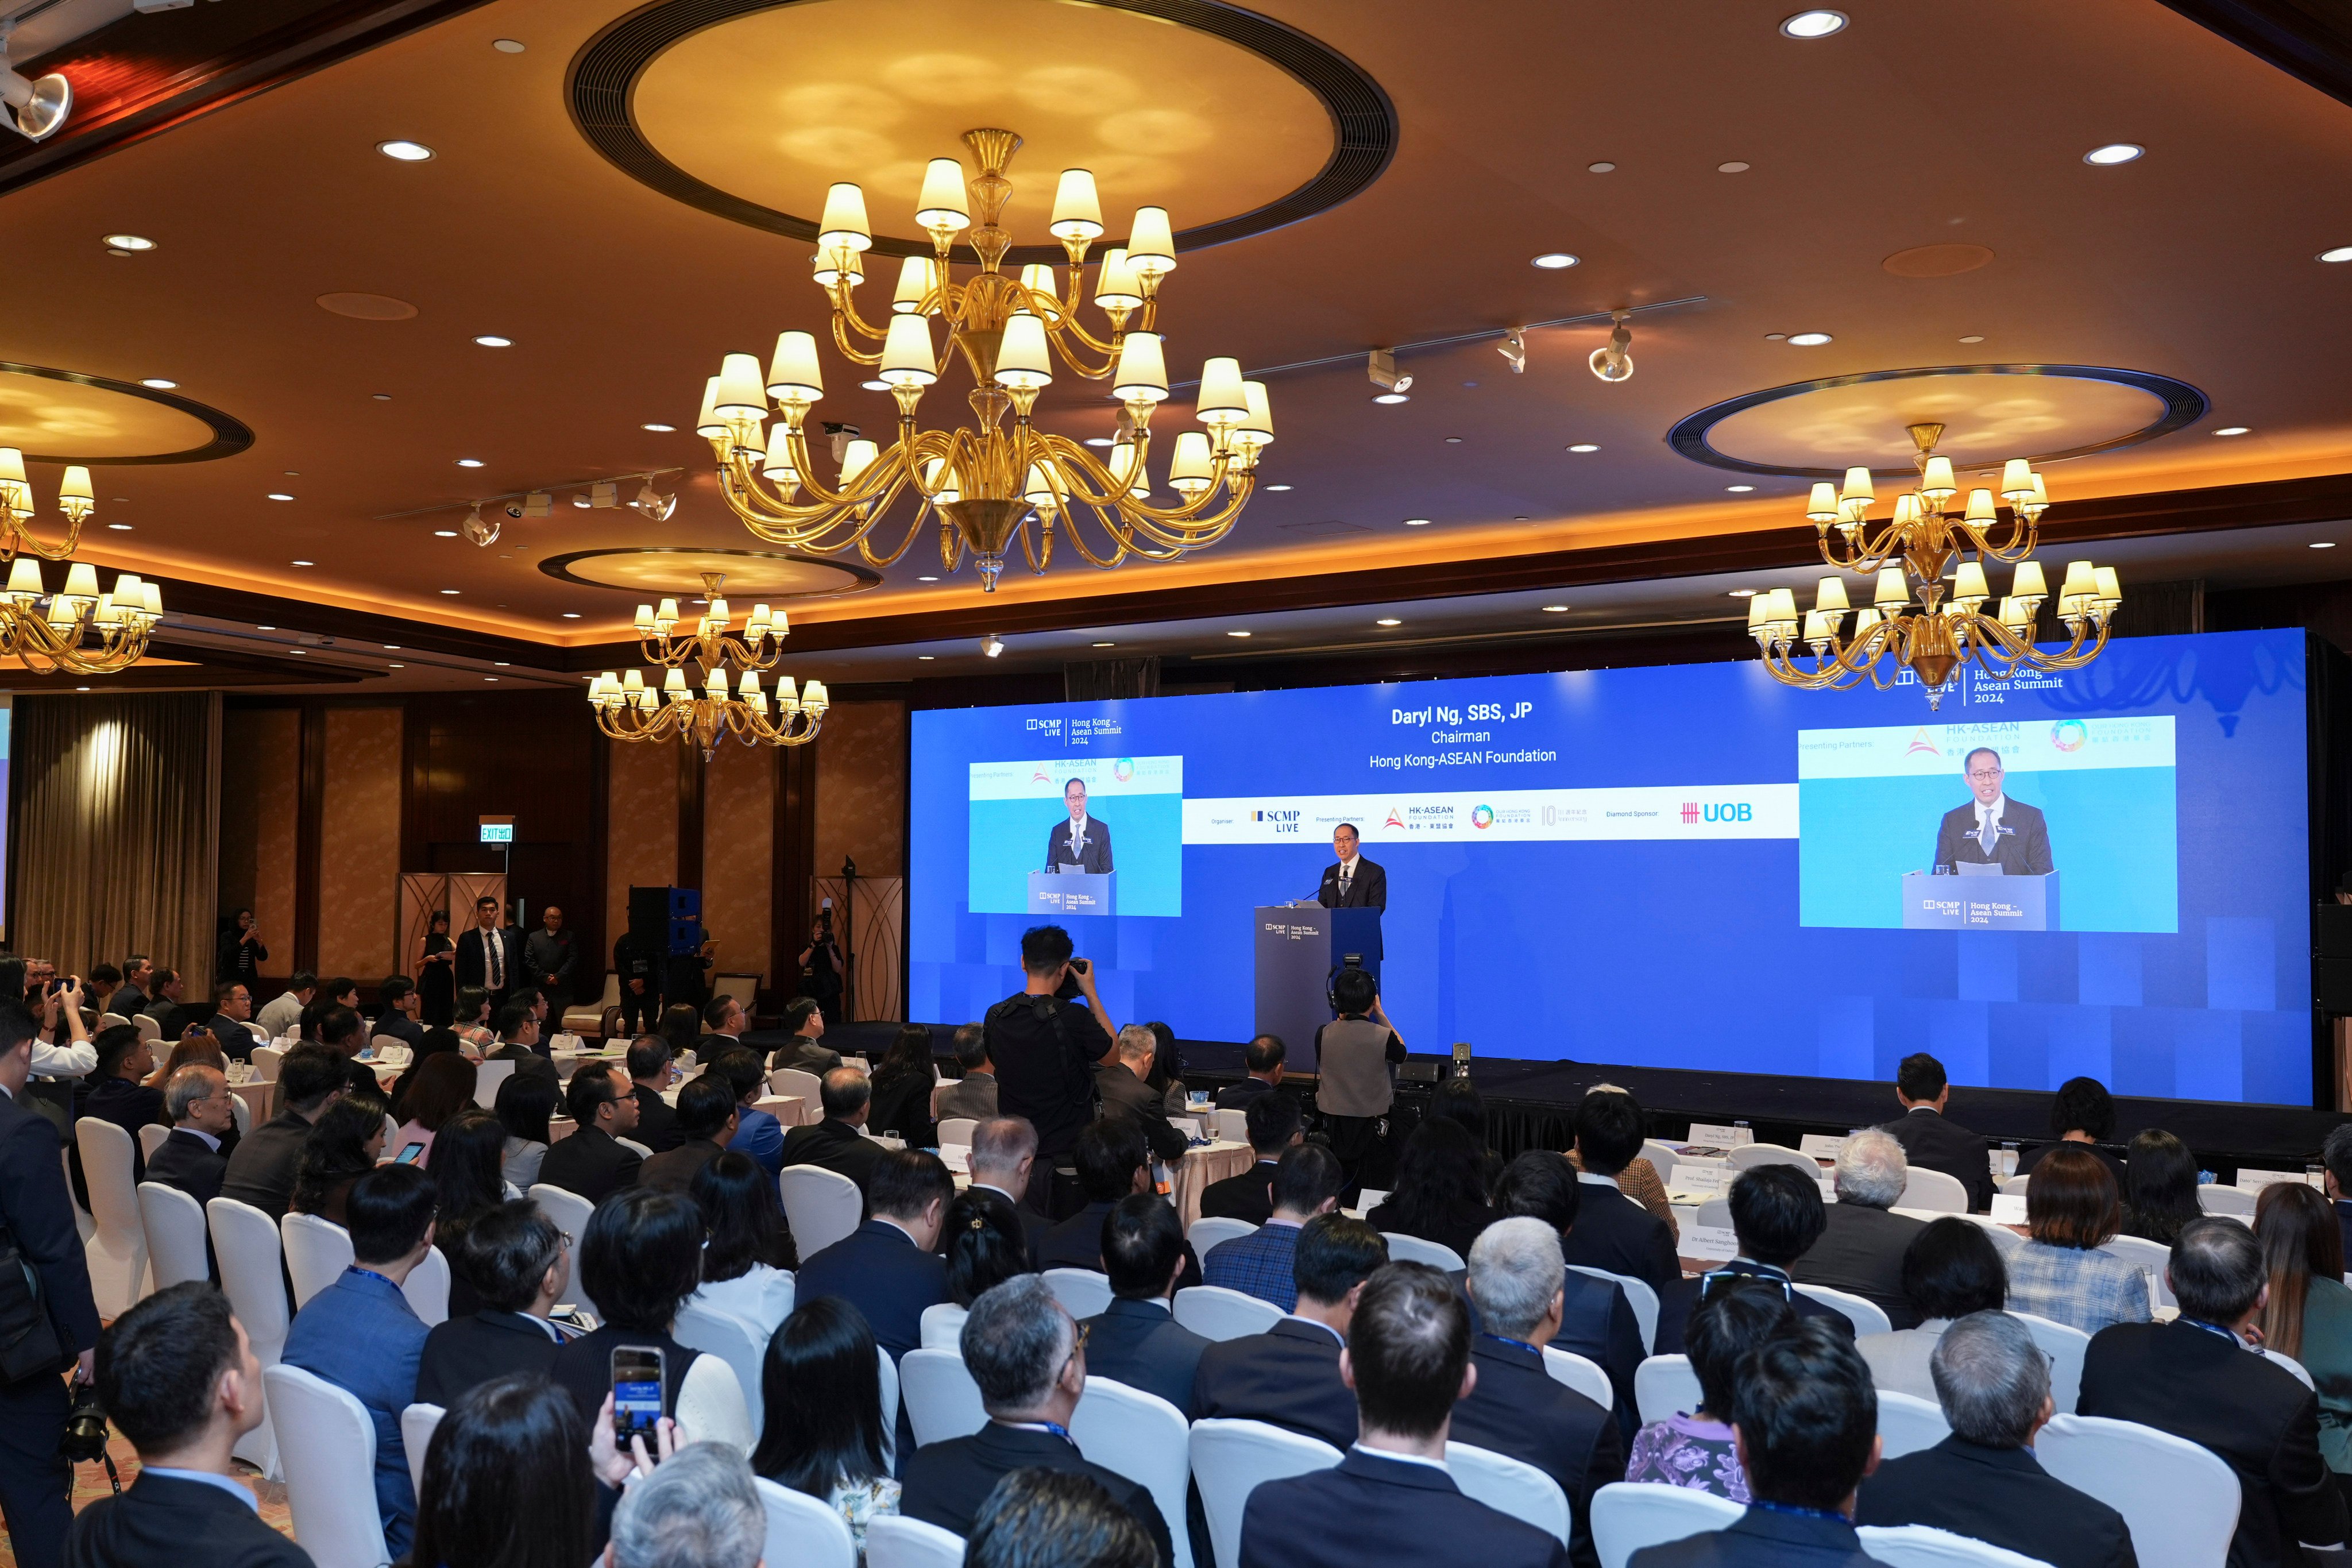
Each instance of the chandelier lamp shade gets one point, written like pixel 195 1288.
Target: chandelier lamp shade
pixel 1932 609
pixel 78 630
pixel 704 712
pixel 985 484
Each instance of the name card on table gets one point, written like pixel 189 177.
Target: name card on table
pixel 956 1157
pixel 2009 1208
pixel 2255 1180
pixel 1704 1180
pixel 1711 1243
pixel 1722 1137
pixel 1188 1125
pixel 1820 1145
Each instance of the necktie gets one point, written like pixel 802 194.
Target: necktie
pixel 1987 833
pixel 494 947
pixel 1346 874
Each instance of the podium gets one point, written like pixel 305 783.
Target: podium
pixel 1297 950
pixel 1979 903
pixel 1071 892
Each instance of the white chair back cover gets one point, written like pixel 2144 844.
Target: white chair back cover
pixel 151 1138
pixel 1230 1457
pixel 1083 1292
pixel 955 1132
pixel 2065 1347
pixel 1580 1373
pixel 2181 1499
pixel 487 1077
pixel 1218 1313
pixel 712 1407
pixel 2152 1258
pixel 894 1541
pixel 243 1113
pixel 1934 1189
pixel 327 1440
pixel 245 1244
pixel 1208 1233
pixel 1907 1424
pixel 1143 1437
pixel 2214 1198
pixel 821 1207
pixel 1404 1248
pixel 1638 1296
pixel 1510 1486
pixel 802 1532
pixel 149 1030
pixel 641 1151
pixel 418 1424
pixel 1925 1546
pixel 428 1289
pixel 117 1252
pixel 1229 1126
pixel 1665 1385
pixel 942 1401
pixel 266 1061
pixel 1715 1213
pixel 2013 1187
pixel 83 1225
pixel 1748 1156
pixel 174 1224
pixel 2004 1241
pixel 1662 1160
pixel 732 1339
pixel 318 1250
pixel 943 1326
pixel 1866 1316
pixel 2302 1372
pixel 570 1212
pixel 1630 1515
pixel 111 1020
pixel 888 1372
pixel 797 1083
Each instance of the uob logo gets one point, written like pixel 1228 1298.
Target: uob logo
pixel 1731 811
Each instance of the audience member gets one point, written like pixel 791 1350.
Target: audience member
pixel 1930 1140
pixel 345 1145
pixel 640 1261
pixel 199 1049
pixel 202 1112
pixel 472 1020
pixel 706 1121
pixel 1137 1340
pixel 99 988
pixel 262 1170
pixel 1004 1152
pixel 2336 1154
pixel 1982 1482
pixel 2072 1210
pixel 1261 1061
pixel 2306 1311
pixel 1441 1189
pixel 437 1043
pixel 118 1093
pixel 360 1334
pixel 1391 1499
pixel 1457 1099
pixel 1307 1181
pixel 649 1076
pixel 973 1094
pixel 1123 1083
pixel 1356 1054
pixel 402 1004
pixel 902 1089
pixel 1951 1270
pixel 130 998
pixel 1614 1231
pixel 232 1005
pixel 163 1000
pixel 1167 1074
pixel 180 1381
pixel 1596 1320
pixel 888 1268
pixel 443 1086
pixel 756 1132
pixel 1274 1124
pixel 465 1171
pixel 343 1031
pixel 748 1251
pixel 1112 1161
pixel 681 1027
pixel 836 1142
pixel 2160 1188
pixel 1289 1375
pixel 722 1027
pixel 525 1106
pixel 1862 1244
pixel 820 1386
pixel 1513 1406
pixel 1056 1519
pixel 1044 1050
pixel 282 1014
pixel 2193 1378
pixel 511 1261
pixel 509 1482
pixel 804 1022
pixel 2082 1112
pixel 592 1161
pixel 1776 1214
pixel 697 1510
pixel 981 1241
pixel 1030 1362
pixel 1698 1448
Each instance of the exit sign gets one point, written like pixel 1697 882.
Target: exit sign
pixel 497 829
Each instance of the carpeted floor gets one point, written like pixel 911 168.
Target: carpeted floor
pixel 90 1485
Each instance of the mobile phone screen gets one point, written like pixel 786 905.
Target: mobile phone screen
pixel 636 1392
pixel 411 1154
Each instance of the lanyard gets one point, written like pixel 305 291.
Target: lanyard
pixel 1506 1339
pixel 2229 1335
pixel 1791 1508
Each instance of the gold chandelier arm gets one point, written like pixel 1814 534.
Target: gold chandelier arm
pixel 1178 525
pixel 845 310
pixel 1065 329
pixel 2022 538
pixel 20 537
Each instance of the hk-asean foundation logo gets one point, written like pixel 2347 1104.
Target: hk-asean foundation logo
pixel 1482 817
pixel 1394 820
pixel 1922 742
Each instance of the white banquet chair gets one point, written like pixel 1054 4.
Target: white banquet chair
pixel 942 1401
pixel 1143 1437
pixel 1925 1546
pixel 1630 1515
pixel 247 1246
pixel 2181 1499
pixel 821 1207
pixel 327 1440
pixel 116 1253
pixel 1509 1486
pixel 174 1224
pixel 1221 1312
pixel 318 1250
pixel 1230 1458
pixel 802 1532
pixel 894 1541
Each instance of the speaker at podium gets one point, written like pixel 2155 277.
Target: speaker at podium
pixel 1067 890
pixel 1298 949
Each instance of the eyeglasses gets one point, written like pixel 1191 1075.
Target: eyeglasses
pixel 1078 1345
pixel 1984 772
pixel 1708 1280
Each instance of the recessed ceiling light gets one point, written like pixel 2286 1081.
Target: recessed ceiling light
pixel 1743 593
pixel 404 152
pixel 380 396
pixel 449 591
pixel 265 629
pixel 1813 25
pixel 1555 609
pixel 128 242
pixel 1739 490
pixel 445 534
pixel 492 341
pixel 1105 645
pixel 1776 337
pixel 2231 430
pixel 1808 340
pixel 1237 633
pixel 927 579
pixel 1277 487
pixel 159 384
pixel 499 663
pixel 1391 397
pixel 2341 253
pixel 1555 260
pixel 2113 152
pixel 81 688
pixel 1734 167
pixel 659 429
pixel 491 678
pixel 926 657
pixel 1973 338
pixel 2324 544
pixel 306 564
pixel 571 614
pixel 875 385
pixel 1416 523
pixel 507 46
pixel 1099 441
pixel 279 495
pixel 300 652
pixel 1584 446
pixel 119 527
pixel 1388 621
pixel 1454 440
pixel 1603 168
pixel 469 462
pixel 396 666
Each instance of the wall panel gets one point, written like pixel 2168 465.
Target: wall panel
pixel 261 797
pixel 861 790
pixel 359 844
pixel 641 850
pixel 738 811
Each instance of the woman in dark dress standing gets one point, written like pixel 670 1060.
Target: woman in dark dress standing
pixel 239 955
pixel 436 973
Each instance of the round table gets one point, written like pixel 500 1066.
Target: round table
pixel 1203 1165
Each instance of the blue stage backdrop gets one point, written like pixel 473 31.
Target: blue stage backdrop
pixel 1686 867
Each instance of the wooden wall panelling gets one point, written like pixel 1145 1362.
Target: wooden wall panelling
pixel 309 817
pixel 641 846
pixel 261 765
pixel 793 863
pixel 359 850
pixel 878 941
pixel 692 786
pixel 738 825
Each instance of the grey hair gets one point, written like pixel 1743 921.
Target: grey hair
pixel 1138 1040
pixel 1001 1142
pixel 1516 1269
pixel 697 1510
pixel 1015 1343
pixel 192 1082
pixel 1991 1380
pixel 1870 1170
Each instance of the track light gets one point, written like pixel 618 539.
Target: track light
pixel 538 503
pixel 1383 371
pixel 653 503
pixel 479 530
pixel 39 105
pixel 992 647
pixel 1613 362
pixel 605 493
pixel 1514 348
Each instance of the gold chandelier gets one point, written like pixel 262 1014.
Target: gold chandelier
pixel 629 710
pixel 53 643
pixel 1908 556
pixel 983 483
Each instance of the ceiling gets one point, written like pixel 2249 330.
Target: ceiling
pixel 1957 229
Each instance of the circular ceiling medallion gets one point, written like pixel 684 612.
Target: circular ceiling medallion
pixel 675 571
pixel 1937 260
pixel 1816 429
pixel 368 307
pixel 65 416
pixel 751 109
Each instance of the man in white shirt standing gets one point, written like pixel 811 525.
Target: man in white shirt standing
pixel 1992 829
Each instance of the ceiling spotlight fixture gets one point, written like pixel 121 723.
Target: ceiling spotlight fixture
pixel 1734 167
pixel 119 527
pixel 2341 253
pixel 1388 621
pixel 1808 340
pixel 306 564
pixel 992 647
pixel 479 530
pixel 469 462
pixel 653 504
pixel 1381 367
pixel 571 614
pixel 1612 361
pixel 1237 633
pixel 659 429
pixel 1555 260
pixel 492 341
pixel 279 495
pixel 404 152
pixel 1584 446
pixel 2113 152
pixel 158 383
pixel 450 592
pixel 1514 350
pixel 1416 523
pixel 536 503
pixel 2231 430
pixel 126 243
pixel 38 107
pixel 1813 25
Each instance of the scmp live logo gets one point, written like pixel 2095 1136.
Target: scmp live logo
pixel 1277 821
pixel 1723 811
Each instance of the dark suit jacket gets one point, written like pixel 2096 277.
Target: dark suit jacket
pixel 236 1041
pixel 163 1521
pixel 261 1171
pixel 972 1095
pixel 947 1482
pixel 673 1172
pixel 808 1056
pixel 38 1211
pixel 1127 1095
pixel 464 1352
pixel 879 1269
pixel 591 1163
pixel 835 1145
pixel 1094 857
pixel 1248 1196
pixel 1373 1510
pixel 1237 1096
pixel 1076 1242
pixel 2001 1496
pixel 1596 1322
pixel 1518 1409
pixel 1141 1345
pixel 473 961
pixel 1287 1376
pixel 402 1027
pixel 2195 1383
pixel 1862 1253
pixel 1762 1539
pixel 1034 1226
pixel 2021 850
pixel 184 1161
pixel 1932 1140
pixel 1367 888
pixel 1614 1232
pixel 657 1121
pixel 1677 1308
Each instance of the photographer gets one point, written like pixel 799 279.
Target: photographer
pixel 820 964
pixel 44 1326
pixel 1044 1050
pixel 1357 1054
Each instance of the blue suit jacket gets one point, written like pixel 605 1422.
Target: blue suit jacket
pixel 761 1135
pixel 1287 1376
pixel 1258 1264
pixel 1141 1345
pixel 879 1269
pixel 1375 1509
pixel 1596 1322
pixel 1762 1539
pixel 360 1335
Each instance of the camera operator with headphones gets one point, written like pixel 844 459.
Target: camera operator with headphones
pixel 1044 1051
pixel 1356 1057
pixel 49 1320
